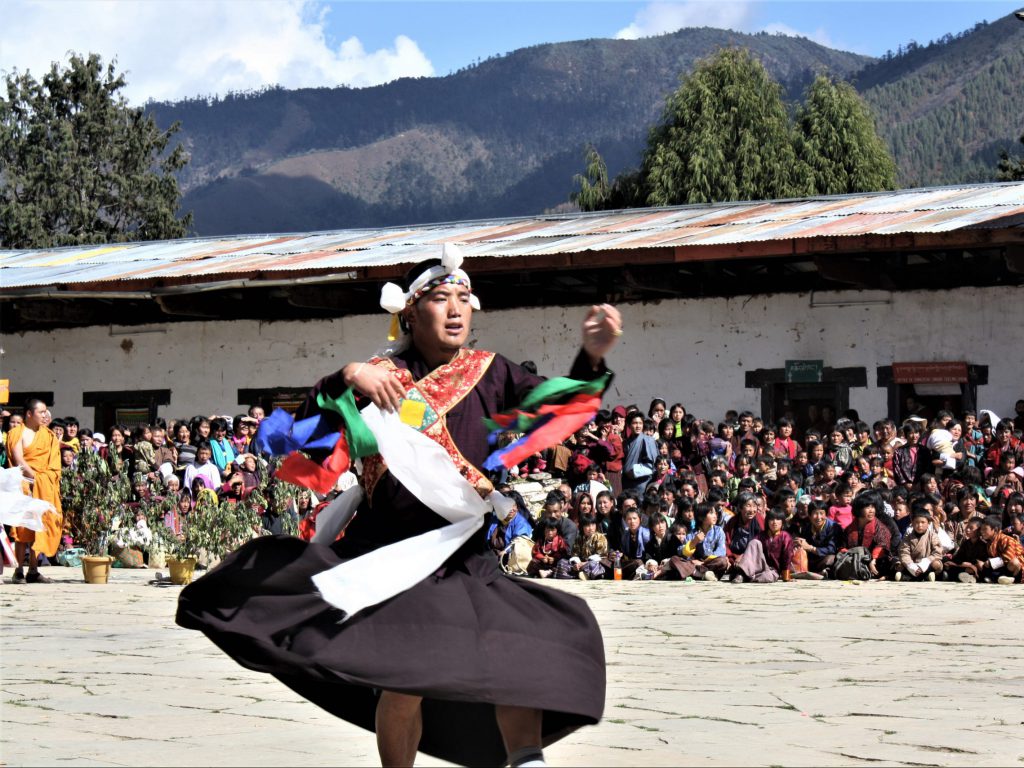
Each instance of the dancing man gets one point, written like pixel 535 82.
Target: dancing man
pixel 427 667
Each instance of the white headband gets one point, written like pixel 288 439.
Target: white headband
pixel 393 299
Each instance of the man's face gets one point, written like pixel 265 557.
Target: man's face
pixel 987 532
pixel 440 320
pixel 746 423
pixel 553 510
pixel 627 507
pixel 818 517
pixel 257 413
pixel 749 510
pixel 35 418
pixel 158 437
pixel 920 525
pixel 633 521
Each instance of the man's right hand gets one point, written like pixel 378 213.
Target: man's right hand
pixel 383 388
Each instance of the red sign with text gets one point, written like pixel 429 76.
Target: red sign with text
pixel 929 373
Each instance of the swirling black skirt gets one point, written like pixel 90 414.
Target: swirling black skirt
pixel 466 638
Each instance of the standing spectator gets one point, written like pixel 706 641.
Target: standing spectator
pixel 256 412
pixel 203 469
pixel 223 453
pixel 118 454
pixel 641 453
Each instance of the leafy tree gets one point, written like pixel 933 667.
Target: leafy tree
pixel 594 188
pixel 597 194
pixel 1010 168
pixel 725 135
pixel 837 140
pixel 79 165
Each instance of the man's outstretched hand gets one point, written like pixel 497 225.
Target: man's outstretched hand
pixel 601 329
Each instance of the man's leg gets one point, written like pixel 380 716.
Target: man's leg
pixel 19 558
pixel 521 731
pixel 399 725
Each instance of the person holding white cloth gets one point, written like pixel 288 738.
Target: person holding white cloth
pixel 390 638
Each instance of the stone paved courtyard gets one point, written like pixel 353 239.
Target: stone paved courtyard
pixel 699 674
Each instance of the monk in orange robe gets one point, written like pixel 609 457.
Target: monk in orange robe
pixel 36 450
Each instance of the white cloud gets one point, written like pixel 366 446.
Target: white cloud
pixel 661 18
pixel 819 35
pixel 176 48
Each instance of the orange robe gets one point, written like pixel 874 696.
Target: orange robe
pixel 43 456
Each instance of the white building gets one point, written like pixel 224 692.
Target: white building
pixel 848 302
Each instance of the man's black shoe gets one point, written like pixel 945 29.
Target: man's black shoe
pixel 35 577
pixel 18 577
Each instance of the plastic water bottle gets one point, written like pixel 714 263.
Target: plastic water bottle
pixel 617 568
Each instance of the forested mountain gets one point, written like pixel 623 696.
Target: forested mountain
pixel 946 109
pixel 506 136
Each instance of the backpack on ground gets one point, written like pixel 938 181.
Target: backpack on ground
pixel 517 556
pixel 852 564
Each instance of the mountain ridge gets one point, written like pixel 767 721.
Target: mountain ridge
pixel 504 137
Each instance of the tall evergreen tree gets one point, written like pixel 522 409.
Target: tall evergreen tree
pixel 837 140
pixel 596 193
pixel 594 188
pixel 1010 168
pixel 79 165
pixel 724 135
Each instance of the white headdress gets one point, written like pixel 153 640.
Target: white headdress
pixel 393 299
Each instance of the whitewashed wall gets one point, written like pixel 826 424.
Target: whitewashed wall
pixel 693 351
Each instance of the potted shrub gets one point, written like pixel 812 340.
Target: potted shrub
pixel 91 499
pixel 211 530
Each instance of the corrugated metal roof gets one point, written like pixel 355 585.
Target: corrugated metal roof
pixel 934 210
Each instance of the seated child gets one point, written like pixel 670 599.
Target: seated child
pixel 1005 563
pixel 920 551
pixel 590 554
pixel 548 551
pixel 964 562
pixel 701 554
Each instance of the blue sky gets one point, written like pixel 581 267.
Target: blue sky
pixel 172 49
pixel 457 33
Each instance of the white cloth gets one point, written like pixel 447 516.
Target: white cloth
pixel 15 507
pixel 428 472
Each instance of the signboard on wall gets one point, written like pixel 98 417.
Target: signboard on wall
pixel 804 371
pixel 929 373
